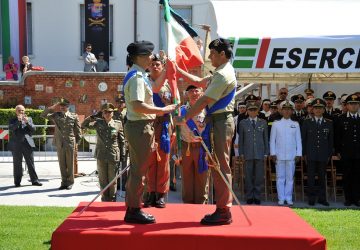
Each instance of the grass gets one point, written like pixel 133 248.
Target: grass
pixel 23 228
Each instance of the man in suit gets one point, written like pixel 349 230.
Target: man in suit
pixel 317 139
pixel 253 148
pixel 67 136
pixel 285 149
pixel 22 145
pixel 90 60
pixel 347 147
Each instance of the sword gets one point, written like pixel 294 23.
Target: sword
pixel 105 188
pixel 217 168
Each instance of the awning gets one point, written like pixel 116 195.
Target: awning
pixel 292 41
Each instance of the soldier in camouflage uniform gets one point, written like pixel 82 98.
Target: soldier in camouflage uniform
pixel 67 136
pixel 107 150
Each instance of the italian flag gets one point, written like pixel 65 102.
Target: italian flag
pixel 181 47
pixel 13 26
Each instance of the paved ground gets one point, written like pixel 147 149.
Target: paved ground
pixel 85 188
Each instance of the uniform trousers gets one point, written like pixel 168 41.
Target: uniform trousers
pixel 66 163
pixel 19 151
pixel 318 167
pixel 223 131
pixel 254 178
pixel 285 179
pixel 195 185
pixel 106 173
pixel 159 173
pixel 141 138
pixel 351 179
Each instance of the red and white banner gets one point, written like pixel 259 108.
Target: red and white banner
pixel 4 134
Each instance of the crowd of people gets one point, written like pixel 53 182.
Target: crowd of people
pixel 285 129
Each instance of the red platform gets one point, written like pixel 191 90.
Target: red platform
pixel 102 227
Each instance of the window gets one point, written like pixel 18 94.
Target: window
pixel 184 11
pixel 29 29
pixel 82 29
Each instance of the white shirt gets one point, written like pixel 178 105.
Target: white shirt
pixel 285 139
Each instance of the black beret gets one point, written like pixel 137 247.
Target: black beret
pixel 140 48
pixel 329 95
pixel 352 99
pixel 64 102
pixel 220 44
pixel 191 87
pixel 297 98
pixel 317 102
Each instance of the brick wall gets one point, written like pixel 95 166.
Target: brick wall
pixel 80 88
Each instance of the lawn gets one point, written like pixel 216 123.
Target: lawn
pixel 23 228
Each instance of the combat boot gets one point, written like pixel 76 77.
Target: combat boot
pixel 221 216
pixel 137 216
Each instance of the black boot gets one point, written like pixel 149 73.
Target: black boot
pixel 137 216
pixel 160 200
pixel 221 216
pixel 150 200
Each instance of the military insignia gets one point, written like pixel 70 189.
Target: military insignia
pixel 216 42
pixel 354 97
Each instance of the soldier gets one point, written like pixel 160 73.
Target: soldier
pixel 253 148
pixel 347 147
pixel 309 108
pixel 107 151
pixel 317 140
pixel 159 172
pixel 343 104
pixel 285 150
pixel 194 174
pixel 299 112
pixel 139 127
pixel 219 97
pixel 67 136
pixel 330 112
pixel 21 145
pixel 309 93
pixel 120 115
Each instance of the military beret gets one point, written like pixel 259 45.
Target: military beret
pixel 317 102
pixel 220 44
pixel 252 105
pixel 352 99
pixel 251 98
pixel 297 98
pixel 107 107
pixel 329 95
pixel 64 102
pixel 241 104
pixel 309 91
pixel 191 87
pixel 309 102
pixel 287 104
pixel 140 48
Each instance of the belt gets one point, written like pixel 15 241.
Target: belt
pixel 192 144
pixel 218 117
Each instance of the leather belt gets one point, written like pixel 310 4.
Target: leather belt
pixel 218 117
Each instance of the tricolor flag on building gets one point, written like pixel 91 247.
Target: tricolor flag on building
pixel 180 46
pixel 13 26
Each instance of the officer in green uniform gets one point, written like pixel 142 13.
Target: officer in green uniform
pixel 221 89
pixel 67 135
pixel 139 128
pixel 107 150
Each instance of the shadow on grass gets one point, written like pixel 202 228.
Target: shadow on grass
pixel 47 243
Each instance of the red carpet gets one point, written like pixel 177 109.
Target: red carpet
pixel 102 227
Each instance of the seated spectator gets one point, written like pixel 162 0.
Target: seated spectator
pixel 11 69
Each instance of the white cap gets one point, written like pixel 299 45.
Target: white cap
pixel 343 98
pixel 287 104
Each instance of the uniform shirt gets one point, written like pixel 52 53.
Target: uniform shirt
pixel 222 83
pixel 108 137
pixel 186 134
pixel 138 88
pixel 67 127
pixel 165 93
pixel 285 139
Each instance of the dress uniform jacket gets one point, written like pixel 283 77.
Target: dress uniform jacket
pixel 318 140
pixel 347 136
pixel 285 139
pixel 298 116
pixel 253 142
pixel 332 113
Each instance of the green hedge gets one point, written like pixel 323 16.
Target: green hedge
pixel 7 114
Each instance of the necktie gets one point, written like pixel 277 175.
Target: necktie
pixel 253 123
pixel 318 122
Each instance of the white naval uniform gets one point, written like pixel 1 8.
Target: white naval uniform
pixel 285 143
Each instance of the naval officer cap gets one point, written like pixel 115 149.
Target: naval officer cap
pixel 352 99
pixel 343 98
pixel 220 44
pixel 108 107
pixel 329 95
pixel 287 104
pixel 317 102
pixel 64 102
pixel 309 102
pixel 140 48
